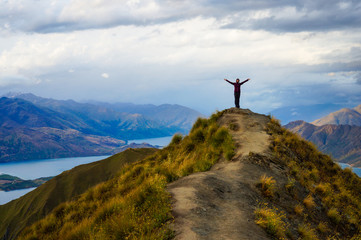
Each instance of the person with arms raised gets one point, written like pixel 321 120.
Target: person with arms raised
pixel 237 89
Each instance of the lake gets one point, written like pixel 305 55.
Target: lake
pixel 354 169
pixel 51 167
pixel 39 168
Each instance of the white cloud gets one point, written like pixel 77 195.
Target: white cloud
pixel 105 75
pixel 164 51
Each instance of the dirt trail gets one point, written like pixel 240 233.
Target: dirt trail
pixel 219 204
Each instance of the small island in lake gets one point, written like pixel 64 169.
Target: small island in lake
pixel 10 183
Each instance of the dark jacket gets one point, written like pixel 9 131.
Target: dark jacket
pixel 237 86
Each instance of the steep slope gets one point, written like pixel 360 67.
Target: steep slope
pixel 343 142
pixel 135 204
pixel 24 211
pixel 219 204
pixel 276 181
pixel 344 116
pixel 232 176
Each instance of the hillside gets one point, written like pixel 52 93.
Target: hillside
pixel 32 127
pixel 21 212
pixel 342 142
pixel 345 116
pixel 237 175
pixel 31 132
pixel 123 121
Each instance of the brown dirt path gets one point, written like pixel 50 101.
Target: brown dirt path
pixel 219 204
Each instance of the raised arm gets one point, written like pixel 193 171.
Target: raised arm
pixel 245 81
pixel 229 81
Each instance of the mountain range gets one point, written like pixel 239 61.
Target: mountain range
pixel 307 113
pixel 32 127
pixel 337 134
pixel 236 175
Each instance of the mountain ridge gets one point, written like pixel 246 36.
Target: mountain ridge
pixel 343 142
pixel 39 128
pixel 254 179
pixel 344 116
pixel 337 133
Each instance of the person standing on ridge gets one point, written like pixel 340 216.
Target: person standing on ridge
pixel 237 90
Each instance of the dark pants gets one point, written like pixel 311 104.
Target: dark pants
pixel 236 98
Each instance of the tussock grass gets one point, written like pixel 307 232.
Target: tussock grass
pixel 272 221
pixel 299 209
pixel 135 204
pixel 334 194
pixel 334 215
pixel 290 186
pixel 322 227
pixel 306 232
pixel 309 202
pixel 267 186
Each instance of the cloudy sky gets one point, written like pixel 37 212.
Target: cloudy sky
pixel 296 52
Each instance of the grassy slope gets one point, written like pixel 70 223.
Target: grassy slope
pixel 135 204
pixel 36 204
pixel 315 199
pixel 319 200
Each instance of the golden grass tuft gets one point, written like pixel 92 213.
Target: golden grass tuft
pixel 306 232
pixel 334 215
pixel 272 221
pixel 298 209
pixel 309 202
pixel 322 227
pixel 267 186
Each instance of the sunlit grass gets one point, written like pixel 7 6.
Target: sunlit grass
pixel 267 186
pixel 271 220
pixel 332 192
pixel 135 204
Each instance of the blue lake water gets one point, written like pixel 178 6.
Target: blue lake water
pixel 355 170
pixel 39 168
pixel 51 167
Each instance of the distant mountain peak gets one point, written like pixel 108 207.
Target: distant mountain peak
pixel 344 116
pixel 358 108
